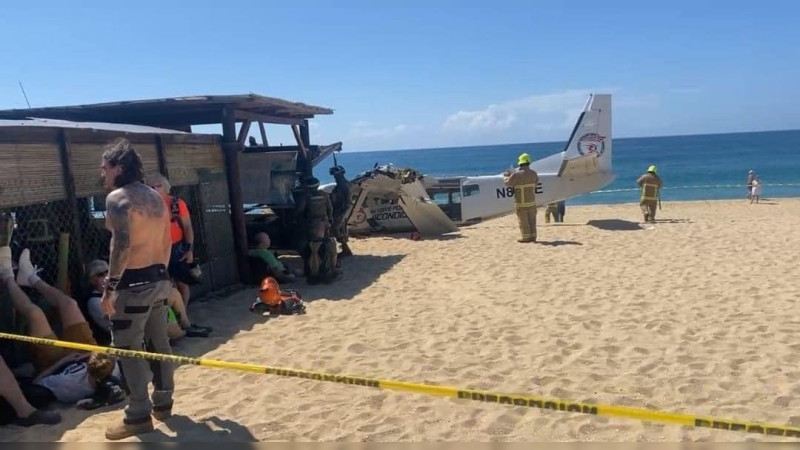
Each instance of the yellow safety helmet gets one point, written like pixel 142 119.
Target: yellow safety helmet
pixel 524 159
pixel 651 169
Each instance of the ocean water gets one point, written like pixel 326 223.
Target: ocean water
pixel 700 167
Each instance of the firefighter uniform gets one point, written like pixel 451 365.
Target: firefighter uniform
pixel 552 210
pixel 651 189
pixel 524 181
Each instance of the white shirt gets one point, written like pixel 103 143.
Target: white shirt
pixel 71 383
pixel 93 305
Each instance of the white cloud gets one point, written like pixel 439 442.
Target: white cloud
pixel 495 117
pixel 533 118
pixel 548 112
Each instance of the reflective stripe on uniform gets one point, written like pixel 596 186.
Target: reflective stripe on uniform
pixel 524 195
pixel 649 191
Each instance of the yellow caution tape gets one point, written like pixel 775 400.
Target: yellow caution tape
pixel 595 409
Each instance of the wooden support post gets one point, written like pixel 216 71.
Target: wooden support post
pixel 303 163
pixel 69 187
pixel 243 131
pixel 263 134
pixel 162 156
pixel 231 148
pixel 305 137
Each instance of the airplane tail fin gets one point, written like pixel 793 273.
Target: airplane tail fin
pixel 589 148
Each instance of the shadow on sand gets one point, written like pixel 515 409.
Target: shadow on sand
pixel 614 225
pixel 212 429
pixel 407 235
pixel 558 243
pixel 359 272
pixel 673 221
pixel 228 313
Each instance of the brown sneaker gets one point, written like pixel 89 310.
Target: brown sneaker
pixel 124 430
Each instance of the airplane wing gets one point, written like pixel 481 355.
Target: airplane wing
pixel 426 216
pixel 403 187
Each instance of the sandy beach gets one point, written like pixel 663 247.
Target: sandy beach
pixel 696 313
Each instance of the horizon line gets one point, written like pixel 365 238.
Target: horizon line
pixel 561 142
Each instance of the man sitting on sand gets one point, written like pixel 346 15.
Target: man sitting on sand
pixel 272 267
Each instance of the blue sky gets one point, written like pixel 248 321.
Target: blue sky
pixel 423 76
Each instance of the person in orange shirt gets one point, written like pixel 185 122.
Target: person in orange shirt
pixel 182 256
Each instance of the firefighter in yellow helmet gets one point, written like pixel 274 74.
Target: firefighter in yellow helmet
pixel 651 184
pixel 524 181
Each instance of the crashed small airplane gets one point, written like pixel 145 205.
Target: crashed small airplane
pixel 393 200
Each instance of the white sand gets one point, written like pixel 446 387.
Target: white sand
pixel 695 314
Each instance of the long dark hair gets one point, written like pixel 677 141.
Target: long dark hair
pixel 121 153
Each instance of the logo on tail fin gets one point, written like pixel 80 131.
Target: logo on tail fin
pixel 591 144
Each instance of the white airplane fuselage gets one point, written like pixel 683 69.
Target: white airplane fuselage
pixel 486 197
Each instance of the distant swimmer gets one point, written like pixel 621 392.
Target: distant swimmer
pixel 524 180
pixel 651 185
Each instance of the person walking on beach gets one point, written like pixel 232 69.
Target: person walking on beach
pixel 562 210
pixel 755 190
pixel 651 185
pixel 751 175
pixel 552 210
pixel 524 181
pixel 137 286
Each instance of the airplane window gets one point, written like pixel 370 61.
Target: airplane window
pixel 440 198
pixel 472 189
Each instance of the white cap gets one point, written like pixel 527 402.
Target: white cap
pixel 96 267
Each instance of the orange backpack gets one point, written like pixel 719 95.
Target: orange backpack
pixel 271 297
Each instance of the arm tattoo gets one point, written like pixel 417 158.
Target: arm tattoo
pixel 118 222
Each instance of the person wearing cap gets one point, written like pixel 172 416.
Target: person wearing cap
pixel 524 181
pixel 651 184
pixel 751 175
pixel 178 323
pixel 340 199
pixel 182 268
pixel 100 323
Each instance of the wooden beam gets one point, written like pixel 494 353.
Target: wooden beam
pixel 69 187
pixel 243 131
pixel 231 149
pixel 162 156
pixel 263 134
pixel 302 163
pixel 306 144
pixel 266 118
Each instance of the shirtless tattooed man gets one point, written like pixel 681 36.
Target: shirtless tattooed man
pixel 137 286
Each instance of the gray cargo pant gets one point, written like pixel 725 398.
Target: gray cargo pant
pixel 139 323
